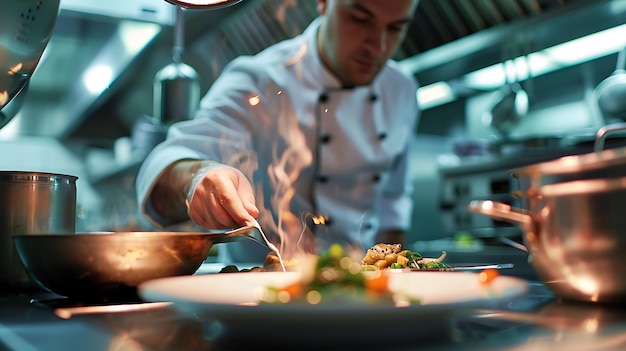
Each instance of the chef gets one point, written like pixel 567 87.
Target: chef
pixel 309 137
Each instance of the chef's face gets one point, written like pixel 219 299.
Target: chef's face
pixel 357 37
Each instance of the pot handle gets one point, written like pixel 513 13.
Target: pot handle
pixel 502 211
pixel 604 133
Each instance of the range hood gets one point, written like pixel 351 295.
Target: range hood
pixel 89 35
pixel 447 39
pixel 95 53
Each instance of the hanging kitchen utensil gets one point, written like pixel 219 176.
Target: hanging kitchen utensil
pixel 25 29
pixel 611 92
pixel 176 86
pixel 511 102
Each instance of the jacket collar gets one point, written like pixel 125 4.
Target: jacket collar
pixel 314 72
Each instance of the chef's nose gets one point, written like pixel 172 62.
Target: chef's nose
pixel 377 40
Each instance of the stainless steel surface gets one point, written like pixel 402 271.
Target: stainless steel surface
pixel 563 317
pixel 25 29
pixel 574 235
pixel 536 321
pixel 31 203
pixel 69 312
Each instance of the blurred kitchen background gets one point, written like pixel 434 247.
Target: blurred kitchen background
pixel 90 109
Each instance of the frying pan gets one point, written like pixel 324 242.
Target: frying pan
pixel 108 266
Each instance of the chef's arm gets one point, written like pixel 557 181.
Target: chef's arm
pixel 169 194
pixel 391 237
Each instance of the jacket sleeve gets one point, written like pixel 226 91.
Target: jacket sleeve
pixel 219 132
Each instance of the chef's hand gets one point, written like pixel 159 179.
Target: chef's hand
pixel 213 195
pixel 221 197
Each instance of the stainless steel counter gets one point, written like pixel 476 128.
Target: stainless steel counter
pixel 536 321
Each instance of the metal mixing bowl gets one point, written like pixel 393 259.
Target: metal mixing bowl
pixel 109 266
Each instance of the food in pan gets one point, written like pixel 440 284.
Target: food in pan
pixel 384 256
pixel 271 264
pixel 234 269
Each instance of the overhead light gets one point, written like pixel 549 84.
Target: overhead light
pixel 535 64
pixel 203 4
pixel 434 95
pixel 136 35
pixel 97 78
pixel 133 37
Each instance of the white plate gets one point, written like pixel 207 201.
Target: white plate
pixel 231 299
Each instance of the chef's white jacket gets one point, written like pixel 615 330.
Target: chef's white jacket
pixel 313 149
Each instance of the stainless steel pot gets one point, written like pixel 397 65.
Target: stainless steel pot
pixel 575 237
pixel 31 203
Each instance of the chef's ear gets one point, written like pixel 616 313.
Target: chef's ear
pixel 321 6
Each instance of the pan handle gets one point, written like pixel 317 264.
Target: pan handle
pixel 249 232
pixel 502 211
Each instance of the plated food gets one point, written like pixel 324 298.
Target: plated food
pixel 332 296
pixel 383 256
pixel 237 301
